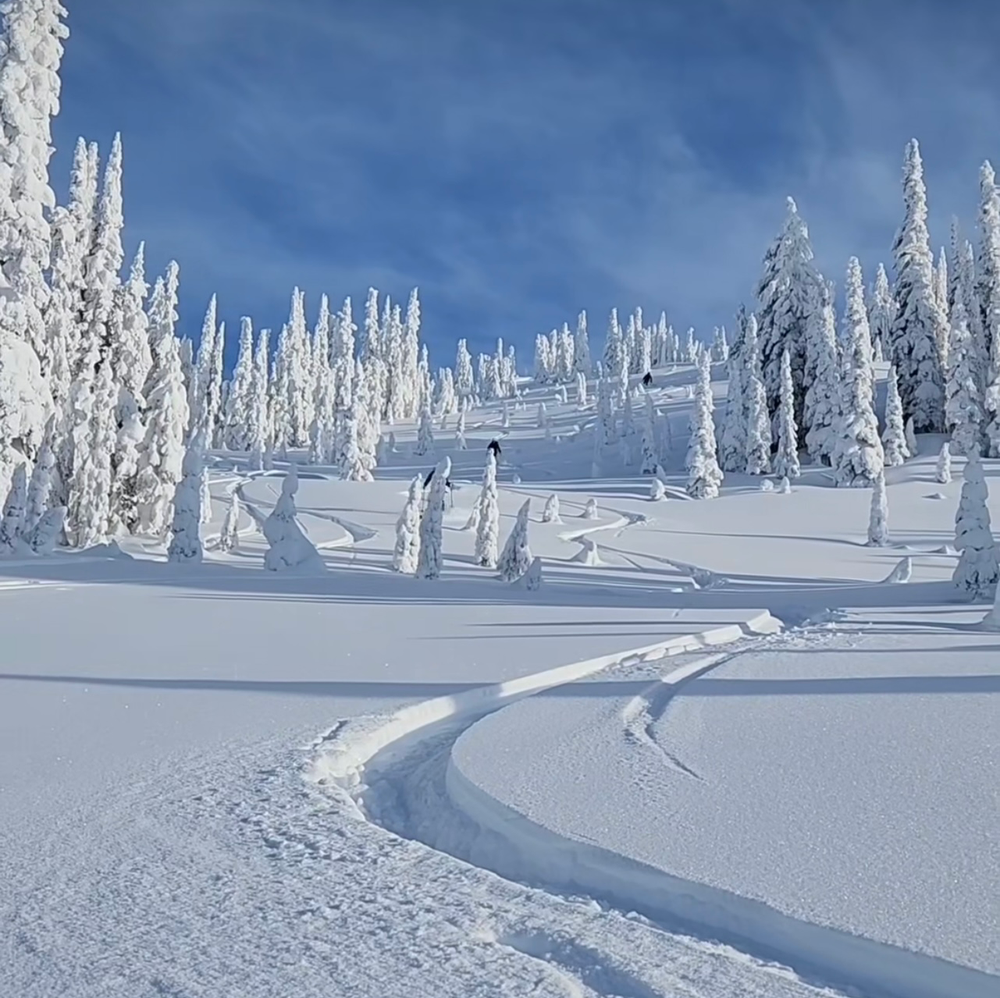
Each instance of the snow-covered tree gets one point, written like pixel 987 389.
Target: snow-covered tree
pixel 656 489
pixel 430 556
pixel 581 390
pixel 201 406
pixel 353 466
pixel 614 357
pixel 786 299
pixel 342 356
pixel 910 436
pixel 40 483
pixel 786 460
pixel 878 517
pixel 14 509
pixel 858 457
pixel 33 33
pixel 581 347
pixel 463 371
pixel 918 329
pixel 963 406
pixel 988 289
pixel 515 559
pixel 161 454
pixel 288 546
pixel 823 399
pixel 894 443
pixel 733 439
pixel 720 345
pixel 757 460
pixel 258 428
pixel 425 434
pixel 488 527
pixel 943 471
pixel 550 514
pixel 460 442
pixel 976 572
pixel 229 539
pixel 406 553
pixel 881 313
pixel 241 398
pixel 411 354
pixel 704 474
pixel 185 539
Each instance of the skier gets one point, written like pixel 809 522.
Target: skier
pixel 495 447
pixel 447 485
pixel 647 380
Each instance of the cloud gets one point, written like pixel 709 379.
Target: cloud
pixel 519 161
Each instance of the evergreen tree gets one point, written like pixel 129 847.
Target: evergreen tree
pixel 515 559
pixel 425 434
pixel 463 371
pixel 40 484
pixel 229 539
pixel 91 489
pixel 258 424
pixel 894 443
pixel 988 282
pixel 786 460
pixel 917 331
pixel 878 517
pixel 733 442
pixel 976 572
pixel 406 554
pixel 288 546
pixel 943 471
pixel 858 457
pixel 757 459
pixel 963 407
pixel 615 356
pixel 550 514
pixel 488 527
pixel 240 401
pixel 823 401
pixel 342 356
pixel 704 475
pixel 411 328
pixel 298 381
pixel 881 313
pixel 581 347
pixel 430 556
pixel 201 414
pixel 131 358
pixel 12 522
pixel 786 299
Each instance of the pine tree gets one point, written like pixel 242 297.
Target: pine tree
pixel 786 460
pixel 976 572
pixel 200 403
pixel 353 467
pixel 581 390
pixel 615 357
pixel 878 517
pixel 12 521
pixel 241 393
pixel 894 442
pixel 988 288
pixel 406 554
pixel 963 406
pixel 786 299
pixel 881 313
pixel 581 347
pixel 425 434
pixel 258 424
pixel 40 483
pixel 463 371
pixel 917 331
pixel 943 471
pixel 488 527
pixel 91 489
pixel 288 547
pixel 858 457
pixel 823 400
pixel 299 382
pixel 229 539
pixel 757 459
pixel 550 514
pixel 33 34
pixel 430 556
pixel 162 452
pixel 515 559
pixel 733 442
pixel 910 435
pixel 411 328
pixel 704 475
pixel 131 358
pixel 342 356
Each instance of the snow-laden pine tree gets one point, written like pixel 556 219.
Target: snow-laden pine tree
pixel 460 442
pixel 425 433
pixel 229 539
pixel 463 371
pixel 894 443
pixel 581 346
pixel 964 290
pixel 878 516
pixel 411 353
pixel 704 474
pixel 917 332
pixel 488 527
pixel 910 435
pixel 943 470
pixel 14 508
pixel 40 483
pixel 430 556
pixel 299 382
pixel 823 399
pixel 185 538
pixel 650 450
pixel 447 399
pixel 858 457
pixel 161 454
pixel 581 390
pixel 515 559
pixel 881 313
pixel 988 280
pixel 656 490
pixel 786 460
pixel 201 407
pixel 757 459
pixel 976 572
pixel 733 439
pixel 33 33
pixel 615 356
pixel 787 295
pixel 963 405
pixel 543 360
pixel 720 346
pixel 342 355
pixel 550 514
pixel 406 553
pixel 288 546
pixel 89 514
pixel 258 420
pixel 241 393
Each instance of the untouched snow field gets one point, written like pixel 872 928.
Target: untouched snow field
pixel 221 780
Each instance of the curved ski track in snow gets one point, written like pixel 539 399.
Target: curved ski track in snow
pixel 387 772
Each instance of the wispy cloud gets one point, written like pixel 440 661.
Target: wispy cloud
pixel 520 160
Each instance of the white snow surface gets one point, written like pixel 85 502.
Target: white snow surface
pixel 216 780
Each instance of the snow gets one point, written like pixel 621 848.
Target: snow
pixel 294 787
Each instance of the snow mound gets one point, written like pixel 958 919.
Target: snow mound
pixel 901 573
pixel 587 555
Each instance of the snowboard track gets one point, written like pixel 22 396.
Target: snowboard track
pixel 400 774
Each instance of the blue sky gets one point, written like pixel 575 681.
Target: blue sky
pixel 521 159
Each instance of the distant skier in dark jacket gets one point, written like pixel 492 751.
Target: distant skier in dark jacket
pixel 647 380
pixel 495 447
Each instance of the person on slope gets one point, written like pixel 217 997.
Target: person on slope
pixel 647 380
pixel 447 485
pixel 494 446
